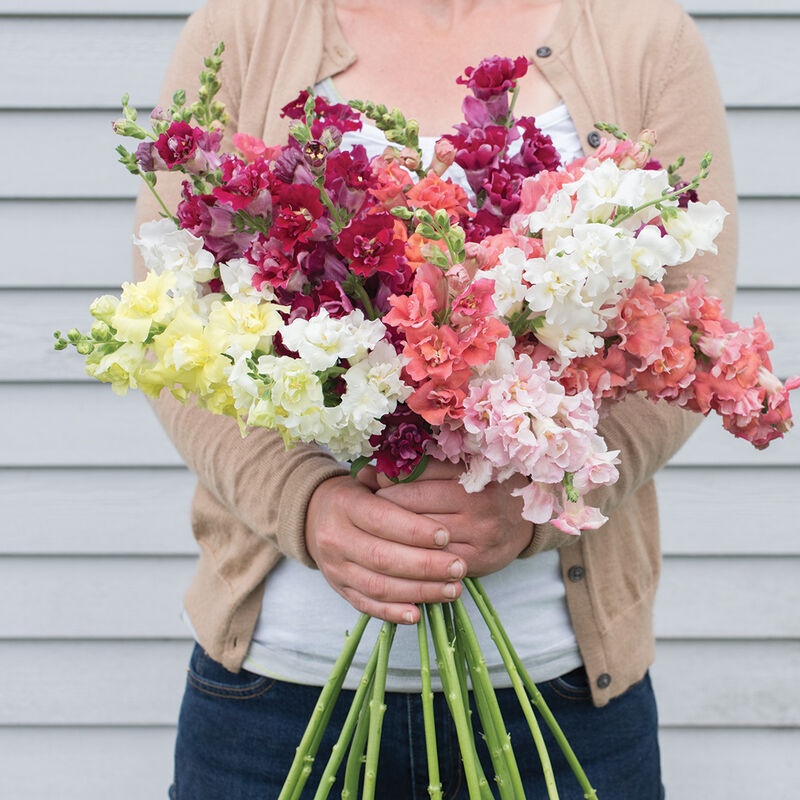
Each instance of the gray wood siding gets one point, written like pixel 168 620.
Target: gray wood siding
pixel 96 499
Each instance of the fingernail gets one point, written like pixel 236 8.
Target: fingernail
pixel 440 538
pixel 456 569
pixel 408 618
pixel 451 590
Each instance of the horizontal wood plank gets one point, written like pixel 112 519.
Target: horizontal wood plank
pixel 75 597
pixel 29 317
pixel 122 8
pixel 730 683
pixel 728 598
pixel 39 763
pixel 719 511
pixel 97 512
pixel 86 425
pixel 100 58
pixel 715 764
pixel 91 170
pixel 104 262
pixel 109 512
pixel 182 7
pixel 698 684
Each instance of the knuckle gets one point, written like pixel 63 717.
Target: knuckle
pixel 378 557
pixel 376 587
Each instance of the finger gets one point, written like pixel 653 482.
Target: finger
pixel 388 589
pixel 435 470
pixel 384 519
pixel 400 560
pixel 368 476
pixel 427 497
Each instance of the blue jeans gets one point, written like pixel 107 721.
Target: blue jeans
pixel 237 735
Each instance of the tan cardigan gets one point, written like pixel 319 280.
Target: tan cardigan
pixel 637 63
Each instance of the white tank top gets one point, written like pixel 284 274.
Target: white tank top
pixel 301 629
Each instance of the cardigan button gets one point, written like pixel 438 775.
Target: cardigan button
pixel 576 573
pixel 544 52
pixel 603 681
pixel 594 139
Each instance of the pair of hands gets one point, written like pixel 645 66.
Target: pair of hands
pixel 386 547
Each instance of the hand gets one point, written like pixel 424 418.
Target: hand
pixel 381 558
pixel 486 528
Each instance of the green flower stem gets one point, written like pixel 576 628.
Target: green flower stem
pixel 443 233
pixel 152 188
pixel 340 748
pixel 474 587
pixel 434 781
pixel 497 737
pixel 376 709
pixel 502 645
pixel 460 657
pixel 449 675
pixel 309 744
pixel 328 203
pixel 461 661
pixel 355 758
pixel 360 293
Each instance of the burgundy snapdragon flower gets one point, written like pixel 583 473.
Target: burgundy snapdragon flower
pixel 348 177
pixel 502 187
pixel 246 185
pixel 273 264
pixel 370 245
pixel 182 144
pixel 401 444
pixel 296 211
pixel 493 76
pixel 490 83
pixel 477 150
pixel 537 152
pixel 203 216
pixel 337 115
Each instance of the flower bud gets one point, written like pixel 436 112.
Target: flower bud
pixel 390 154
pixel 84 348
pixel 331 137
pixel 477 257
pixel 315 155
pixel 103 308
pixel 409 158
pixel 444 153
pixel 648 137
pixel 101 332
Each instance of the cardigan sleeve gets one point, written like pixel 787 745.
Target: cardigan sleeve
pixel 682 104
pixel 261 483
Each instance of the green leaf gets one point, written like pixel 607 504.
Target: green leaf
pixel 415 473
pixel 358 465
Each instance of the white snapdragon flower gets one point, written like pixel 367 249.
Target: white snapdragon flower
pixel 237 278
pixel 568 343
pixel 374 387
pixel 696 227
pixel 555 281
pixel 244 387
pixel 652 252
pixel 166 248
pixel 509 290
pixel 555 219
pixel 322 340
pixel 295 388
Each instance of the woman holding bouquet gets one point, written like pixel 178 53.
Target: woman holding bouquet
pixel 578 608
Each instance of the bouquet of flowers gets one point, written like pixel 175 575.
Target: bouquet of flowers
pixel 378 308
